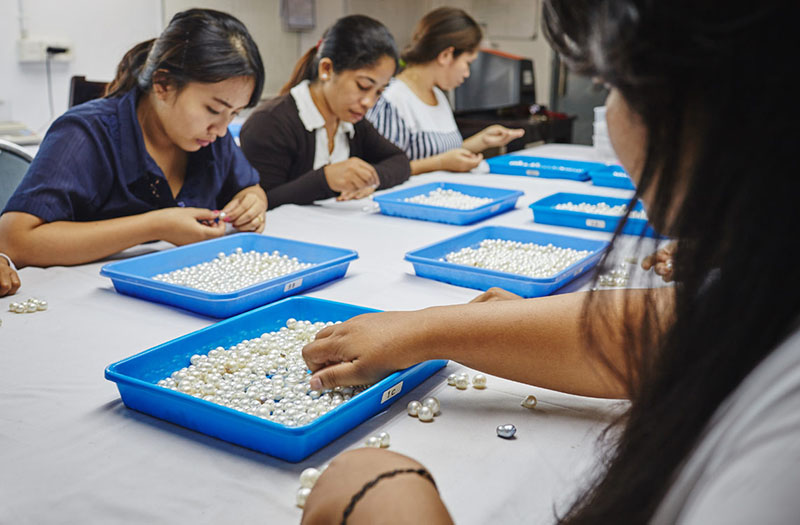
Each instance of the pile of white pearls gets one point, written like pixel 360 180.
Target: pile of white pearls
pixel 28 306
pixel 264 377
pixel 228 273
pixel 424 411
pixel 618 277
pixel 461 381
pixel 528 259
pixel 601 208
pixel 449 199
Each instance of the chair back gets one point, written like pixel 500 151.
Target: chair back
pixel 14 162
pixel 82 90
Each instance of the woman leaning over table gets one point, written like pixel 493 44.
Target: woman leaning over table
pixel 312 142
pixel 711 365
pixel 151 160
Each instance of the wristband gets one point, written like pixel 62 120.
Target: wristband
pixel 10 262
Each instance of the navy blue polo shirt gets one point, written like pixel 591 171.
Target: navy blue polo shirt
pixel 93 165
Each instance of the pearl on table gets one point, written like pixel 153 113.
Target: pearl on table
pixel 601 208
pixel 462 382
pixel 451 380
pixel 302 496
pixel 506 431
pixel 449 198
pixel 28 306
pixel 425 414
pixel 529 402
pixel 413 408
pixel 309 477
pixel 433 404
pixel 373 442
pixel 385 439
pixel 479 381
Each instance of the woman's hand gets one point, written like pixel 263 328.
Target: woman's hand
pixel 495 294
pixel 366 191
pixel 460 160
pixel 493 136
pixel 350 471
pixel 186 225
pixel 661 261
pixel 9 280
pixel 351 175
pixel 364 349
pixel 246 211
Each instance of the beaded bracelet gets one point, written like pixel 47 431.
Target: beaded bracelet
pixel 368 485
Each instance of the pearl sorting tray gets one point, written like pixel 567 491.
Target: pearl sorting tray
pixel 393 203
pixel 427 261
pixel 612 177
pixel 135 276
pixel 527 166
pixel 136 379
pixel 544 212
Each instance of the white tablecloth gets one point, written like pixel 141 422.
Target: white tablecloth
pixel 71 452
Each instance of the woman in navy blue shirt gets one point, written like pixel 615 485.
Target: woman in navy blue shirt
pixel 152 160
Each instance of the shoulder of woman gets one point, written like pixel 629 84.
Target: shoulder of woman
pixel 276 112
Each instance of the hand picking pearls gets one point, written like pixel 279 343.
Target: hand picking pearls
pixel 264 377
pixel 228 273
pixel 528 259
pixel 449 199
pixel 28 306
pixel 601 208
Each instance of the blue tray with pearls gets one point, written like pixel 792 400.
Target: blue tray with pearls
pixel 494 201
pixel 545 212
pixel 612 177
pixel 135 276
pixel 544 167
pixel 430 262
pixel 137 379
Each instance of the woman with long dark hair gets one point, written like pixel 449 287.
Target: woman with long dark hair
pixel 711 365
pixel 151 160
pixel 312 141
pixel 414 112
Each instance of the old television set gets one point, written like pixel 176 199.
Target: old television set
pixel 497 80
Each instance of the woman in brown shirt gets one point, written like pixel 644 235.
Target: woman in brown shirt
pixel 312 142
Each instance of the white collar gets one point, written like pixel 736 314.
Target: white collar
pixel 309 114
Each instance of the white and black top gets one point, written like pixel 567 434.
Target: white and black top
pixel 417 128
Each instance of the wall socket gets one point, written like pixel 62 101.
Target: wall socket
pixel 35 50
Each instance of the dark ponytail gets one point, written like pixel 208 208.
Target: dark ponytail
pixel 353 42
pixel 439 29
pixel 198 45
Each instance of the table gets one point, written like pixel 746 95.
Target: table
pixel 71 452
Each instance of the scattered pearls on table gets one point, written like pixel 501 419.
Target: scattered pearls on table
pixel 264 377
pixel 506 431
pixel 381 440
pixel 617 277
pixel 426 410
pixel 302 496
pixel 228 273
pixel 529 402
pixel 433 404
pixel 425 414
pixel 601 208
pixel 462 381
pixel 479 381
pixel 449 199
pixel 528 259
pixel 385 439
pixel 413 408
pixel 308 477
pixel 28 306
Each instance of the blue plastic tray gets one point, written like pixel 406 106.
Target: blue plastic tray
pixel 393 203
pixel 542 167
pixel 427 261
pixel 136 379
pixel 544 212
pixel 135 276
pixel 612 177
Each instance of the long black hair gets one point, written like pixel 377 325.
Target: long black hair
pixel 439 29
pixel 198 45
pixel 353 42
pixel 709 81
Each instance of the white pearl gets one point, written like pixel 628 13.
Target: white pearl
pixel 479 381
pixel 528 259
pixel 425 414
pixel 462 382
pixel 302 496
pixel 449 199
pixel 385 440
pixel 433 404
pixel 529 402
pixel 413 408
pixel 373 442
pixel 309 477
pixel 601 208
pixel 451 380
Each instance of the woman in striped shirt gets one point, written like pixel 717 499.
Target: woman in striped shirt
pixel 414 112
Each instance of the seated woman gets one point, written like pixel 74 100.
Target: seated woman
pixel 414 112
pixel 711 365
pixel 312 141
pixel 152 160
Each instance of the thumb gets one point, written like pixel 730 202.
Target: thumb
pixel 341 374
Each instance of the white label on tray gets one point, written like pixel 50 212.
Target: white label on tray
pixel 292 285
pixel 595 223
pixel 495 208
pixel 532 173
pixel 389 394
